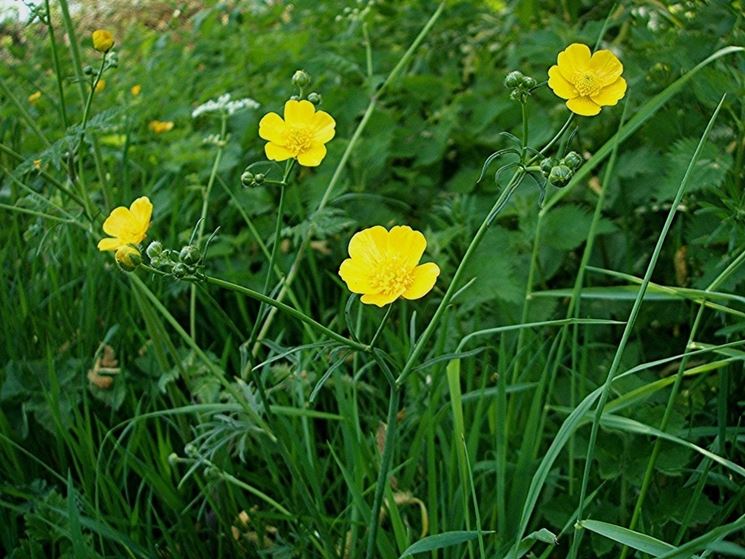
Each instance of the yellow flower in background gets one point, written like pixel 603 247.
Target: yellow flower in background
pixel 160 126
pixel 588 82
pixel 34 97
pixel 103 40
pixel 100 86
pixel 135 90
pixel 127 226
pixel 300 135
pixel 37 164
pixel 384 265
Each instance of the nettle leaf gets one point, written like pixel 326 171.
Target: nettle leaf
pixel 323 224
pixel 709 172
pixel 566 227
pixel 493 266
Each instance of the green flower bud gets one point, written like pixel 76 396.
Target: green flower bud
pixel 301 79
pixel 173 459
pixel 315 98
pixel 180 270
pixel 259 179
pixel 513 79
pixel 547 164
pixel 128 258
pixel 572 160
pixel 210 472
pixel 560 175
pixel 154 250
pixel 528 82
pixel 88 70
pixel 247 179
pixel 516 95
pixel 190 255
pixel 191 450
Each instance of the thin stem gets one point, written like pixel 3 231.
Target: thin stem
pixel 452 288
pixel 524 111
pixel 385 463
pixel 57 66
pixel 203 220
pixel 627 332
pixel 74 49
pixel 24 113
pixel 381 325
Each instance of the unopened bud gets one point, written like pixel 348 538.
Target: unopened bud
pixel 154 250
pixel 513 79
pixel 547 164
pixel 315 98
pixel 180 270
pixel 528 82
pixel 572 160
pixel 103 40
pixel 189 255
pixel 301 79
pixel 88 70
pixel 560 175
pixel 247 178
pixel 191 450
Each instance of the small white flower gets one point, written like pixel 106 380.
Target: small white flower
pixel 224 105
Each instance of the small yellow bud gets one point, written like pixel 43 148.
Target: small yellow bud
pixel 100 86
pixel 128 258
pixel 34 97
pixel 103 40
pixel 37 164
pixel 136 90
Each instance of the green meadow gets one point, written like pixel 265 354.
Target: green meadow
pixel 375 279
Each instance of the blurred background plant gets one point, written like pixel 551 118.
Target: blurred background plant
pixel 98 387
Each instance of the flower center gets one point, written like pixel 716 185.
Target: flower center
pixel 392 278
pixel 299 139
pixel 585 84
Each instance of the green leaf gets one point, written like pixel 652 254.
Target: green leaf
pixel 438 541
pixel 627 537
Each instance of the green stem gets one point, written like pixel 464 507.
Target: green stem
pixel 203 220
pixel 74 49
pixel 24 113
pixel 628 329
pixel 57 66
pixel 385 463
pixel 452 288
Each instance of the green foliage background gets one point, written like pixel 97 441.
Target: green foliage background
pixel 85 472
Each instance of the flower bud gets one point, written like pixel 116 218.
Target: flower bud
pixel 190 255
pixel 301 79
pixel 547 164
pixel 180 270
pixel 259 179
pixel 103 40
pixel 191 450
pixel 513 79
pixel 315 98
pixel 560 175
pixel 572 160
pixel 210 472
pixel 173 459
pixel 88 70
pixel 516 95
pixel 528 82
pixel 112 60
pixel 128 258
pixel 154 250
pixel 247 179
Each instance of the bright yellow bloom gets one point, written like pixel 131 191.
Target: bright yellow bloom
pixel 100 86
pixel 301 135
pixel 384 265
pixel 128 257
pixel 135 90
pixel 127 226
pixel 160 126
pixel 34 97
pixel 588 82
pixel 37 164
pixel 103 40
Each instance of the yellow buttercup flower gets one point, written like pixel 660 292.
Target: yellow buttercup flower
pixel 300 135
pixel 100 86
pixel 588 82
pixel 34 97
pixel 384 265
pixel 103 40
pixel 135 90
pixel 127 226
pixel 160 126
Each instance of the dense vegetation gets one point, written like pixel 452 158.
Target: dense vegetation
pixel 577 393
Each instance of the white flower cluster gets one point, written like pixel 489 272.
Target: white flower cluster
pixel 224 104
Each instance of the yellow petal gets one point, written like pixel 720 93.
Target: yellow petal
pixel 583 106
pixel 559 85
pixel 369 245
pixel 323 127
pixel 575 58
pixel 606 67
pixel 424 280
pixel 406 244
pixel 276 152
pixel 142 211
pixel 356 275
pixel 119 222
pixel 379 299
pixel 299 113
pixel 272 128
pixel 611 94
pixel 313 156
pixel 109 244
